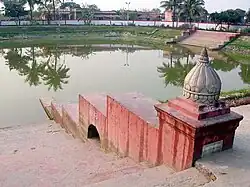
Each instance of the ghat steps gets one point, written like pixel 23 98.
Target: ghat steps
pixel 123 170
pixel 210 39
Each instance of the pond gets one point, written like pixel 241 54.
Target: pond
pixel 63 72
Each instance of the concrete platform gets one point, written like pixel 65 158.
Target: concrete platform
pixel 140 105
pixel 98 100
pixel 45 156
pixel 232 167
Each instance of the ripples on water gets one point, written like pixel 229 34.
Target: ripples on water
pixel 63 72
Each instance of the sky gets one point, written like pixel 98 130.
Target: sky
pixel 211 5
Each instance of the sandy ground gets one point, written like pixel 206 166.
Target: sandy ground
pixel 232 167
pixel 45 156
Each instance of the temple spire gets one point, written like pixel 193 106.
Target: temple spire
pixel 202 84
pixel 204 56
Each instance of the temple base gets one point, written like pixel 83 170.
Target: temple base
pixel 191 131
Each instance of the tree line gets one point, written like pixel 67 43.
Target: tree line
pixel 194 10
pixel 182 10
pixel 48 8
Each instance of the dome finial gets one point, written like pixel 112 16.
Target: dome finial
pixel 204 56
pixel 202 84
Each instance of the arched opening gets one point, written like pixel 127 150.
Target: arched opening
pixel 93 133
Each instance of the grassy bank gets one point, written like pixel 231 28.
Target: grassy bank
pixel 241 93
pixel 50 35
pixel 230 95
pixel 239 50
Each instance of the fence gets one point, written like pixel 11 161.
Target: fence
pixel 120 23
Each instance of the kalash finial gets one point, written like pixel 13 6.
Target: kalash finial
pixel 202 84
pixel 204 56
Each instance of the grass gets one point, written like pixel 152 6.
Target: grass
pixel 241 43
pixel 11 31
pixel 243 58
pixel 236 94
pixel 52 35
pixel 239 50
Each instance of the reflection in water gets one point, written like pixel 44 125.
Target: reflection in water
pixel 245 73
pixel 27 63
pixel 43 65
pixel 179 64
pixel 63 72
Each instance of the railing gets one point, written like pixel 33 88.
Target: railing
pixel 121 23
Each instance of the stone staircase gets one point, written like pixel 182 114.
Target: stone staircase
pixel 210 39
pixel 105 168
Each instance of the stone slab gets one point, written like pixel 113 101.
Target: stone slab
pixel 196 123
pixel 139 105
pixel 73 111
pixel 98 100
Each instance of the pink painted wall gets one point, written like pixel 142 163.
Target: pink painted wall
pixel 129 135
pixel 89 115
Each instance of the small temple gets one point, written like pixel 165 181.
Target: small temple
pixel 176 133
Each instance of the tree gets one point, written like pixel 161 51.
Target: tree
pixel 88 12
pixel 15 9
pixel 173 6
pixel 69 6
pixel 229 17
pixel 248 16
pixel 46 6
pixel 192 8
pixel 133 16
pixel 31 4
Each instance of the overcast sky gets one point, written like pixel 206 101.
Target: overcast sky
pixel 211 5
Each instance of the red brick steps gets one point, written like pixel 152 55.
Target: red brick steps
pixel 210 39
pixel 125 123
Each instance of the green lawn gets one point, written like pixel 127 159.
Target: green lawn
pixel 51 35
pixel 239 50
pixel 47 30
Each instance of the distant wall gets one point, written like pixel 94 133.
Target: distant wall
pixel 120 22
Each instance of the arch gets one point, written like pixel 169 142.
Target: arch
pixel 93 133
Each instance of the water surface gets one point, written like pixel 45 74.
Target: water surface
pixel 63 72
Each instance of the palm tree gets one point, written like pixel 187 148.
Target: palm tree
pixel 173 6
pixel 54 9
pixel 31 4
pixel 192 8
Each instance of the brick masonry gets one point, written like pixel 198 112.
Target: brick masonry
pixel 133 126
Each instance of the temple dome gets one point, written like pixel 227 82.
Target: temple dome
pixel 202 84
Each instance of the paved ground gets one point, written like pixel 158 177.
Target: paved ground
pixel 232 167
pixel 45 156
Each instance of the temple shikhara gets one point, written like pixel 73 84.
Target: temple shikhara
pixel 176 133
